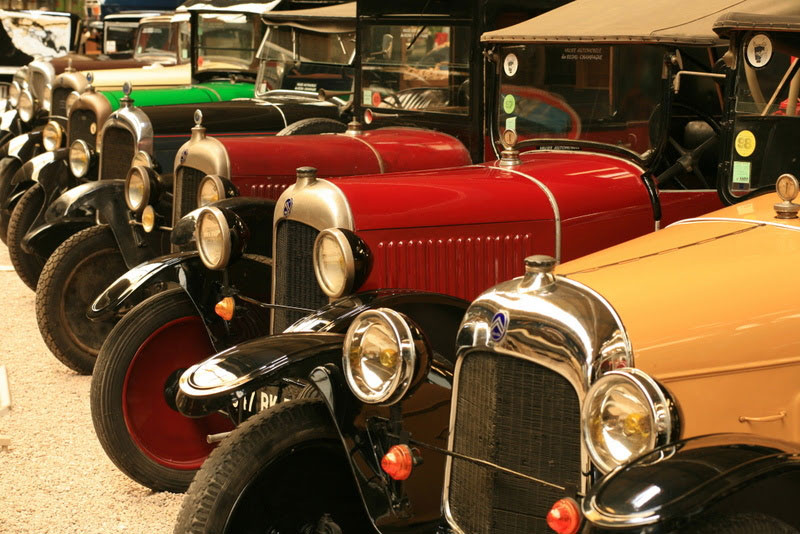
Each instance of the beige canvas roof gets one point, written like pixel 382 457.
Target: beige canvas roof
pixel 649 21
pixel 339 18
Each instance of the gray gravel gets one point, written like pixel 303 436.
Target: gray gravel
pixel 55 477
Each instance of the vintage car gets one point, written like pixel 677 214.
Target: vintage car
pixel 583 394
pixel 263 169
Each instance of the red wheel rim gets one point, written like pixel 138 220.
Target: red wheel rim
pixel 160 432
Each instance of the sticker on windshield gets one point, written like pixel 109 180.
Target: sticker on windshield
pixel 745 143
pixel 111 46
pixel 510 65
pixel 741 175
pixel 511 123
pixel 509 104
pixel 367 97
pixel 759 51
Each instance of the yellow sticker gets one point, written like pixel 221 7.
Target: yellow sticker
pixel 745 143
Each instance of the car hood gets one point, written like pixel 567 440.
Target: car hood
pixel 183 94
pixel 93 63
pixel 147 77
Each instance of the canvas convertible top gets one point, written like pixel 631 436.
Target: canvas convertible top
pixel 751 21
pixel 653 21
pixel 339 18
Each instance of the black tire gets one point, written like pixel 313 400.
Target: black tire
pixel 77 271
pixel 280 471
pixel 750 523
pixel 8 168
pixel 313 126
pixel 28 266
pixel 146 438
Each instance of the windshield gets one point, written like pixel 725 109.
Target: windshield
pixel 154 39
pixel 293 58
pixel 600 93
pixel 228 42
pixel 416 68
pixel 766 122
pixel 119 37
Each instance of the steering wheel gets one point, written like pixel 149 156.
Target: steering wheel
pixel 689 159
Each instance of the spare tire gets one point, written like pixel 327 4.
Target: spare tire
pixel 314 125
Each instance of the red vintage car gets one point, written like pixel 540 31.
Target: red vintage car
pixel 600 149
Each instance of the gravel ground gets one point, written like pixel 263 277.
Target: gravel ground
pixel 55 477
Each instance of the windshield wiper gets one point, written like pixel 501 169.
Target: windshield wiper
pixel 414 40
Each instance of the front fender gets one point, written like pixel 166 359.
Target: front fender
pixel 24 147
pixel 694 478
pixel 85 199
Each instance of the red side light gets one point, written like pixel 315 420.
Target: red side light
pixel 398 462
pixel 564 517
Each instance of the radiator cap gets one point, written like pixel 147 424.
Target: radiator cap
pixel 306 176
pixel 538 273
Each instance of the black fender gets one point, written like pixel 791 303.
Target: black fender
pixel 420 419
pixel 697 478
pixel 256 213
pixel 247 280
pixel 24 147
pixel 10 125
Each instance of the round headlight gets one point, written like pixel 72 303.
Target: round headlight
pixel 625 414
pixel 334 266
pixel 213 238
pixel 25 105
pixel 142 159
pixel 379 356
pixel 137 188
pixel 52 135
pixel 211 190
pixel 79 157
pixel 148 219
pixel 47 98
pixel 13 94
pixel 71 99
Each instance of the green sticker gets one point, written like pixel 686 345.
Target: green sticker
pixel 511 123
pixel 741 173
pixel 509 104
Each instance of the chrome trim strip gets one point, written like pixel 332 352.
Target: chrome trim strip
pixel 735 220
pixel 553 204
pixel 381 164
pixel 283 116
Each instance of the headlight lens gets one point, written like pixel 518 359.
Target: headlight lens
pixel 379 356
pixel 25 105
pixel 142 159
pixel 52 135
pixel 79 158
pixel 334 266
pixel 148 219
pixel 137 188
pixel 213 238
pixel 47 98
pixel 625 415
pixel 13 94
pixel 211 190
pixel 71 99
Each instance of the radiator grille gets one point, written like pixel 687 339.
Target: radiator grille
pixel 80 124
pixel 521 416
pixel 118 151
pixel 58 105
pixel 187 180
pixel 295 283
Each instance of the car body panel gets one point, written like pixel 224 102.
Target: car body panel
pixel 184 94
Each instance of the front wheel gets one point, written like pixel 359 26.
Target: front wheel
pixel 8 167
pixel 283 470
pixel 143 435
pixel 28 266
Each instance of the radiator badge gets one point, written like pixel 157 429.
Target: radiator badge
pixel 184 154
pixel 499 326
pixel 287 207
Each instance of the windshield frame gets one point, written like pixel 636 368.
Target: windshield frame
pixel 171 28
pixel 132 25
pixel 204 74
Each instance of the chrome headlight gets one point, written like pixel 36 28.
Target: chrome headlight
pixel 213 236
pixel 25 105
pixel 341 261
pixel 379 356
pixel 47 98
pixel 626 414
pixel 71 99
pixel 137 188
pixel 211 190
pixel 79 158
pixel 52 134
pixel 142 159
pixel 13 94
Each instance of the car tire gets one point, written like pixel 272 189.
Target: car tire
pixel 8 168
pixel 314 126
pixel 750 523
pixel 73 276
pixel 283 469
pixel 142 434
pixel 28 266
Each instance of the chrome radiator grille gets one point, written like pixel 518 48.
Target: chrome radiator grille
pixel 38 83
pixel 295 283
pixel 59 104
pixel 521 416
pixel 187 180
pixel 118 151
pixel 80 124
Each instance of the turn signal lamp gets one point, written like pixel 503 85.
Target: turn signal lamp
pixel 225 308
pixel 564 517
pixel 398 462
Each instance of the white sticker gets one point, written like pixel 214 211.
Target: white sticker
pixel 759 51
pixel 367 101
pixel 511 123
pixel 111 46
pixel 511 64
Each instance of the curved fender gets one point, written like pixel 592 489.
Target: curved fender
pixel 720 473
pixel 7 120
pixel 23 147
pixel 85 199
pixel 44 239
